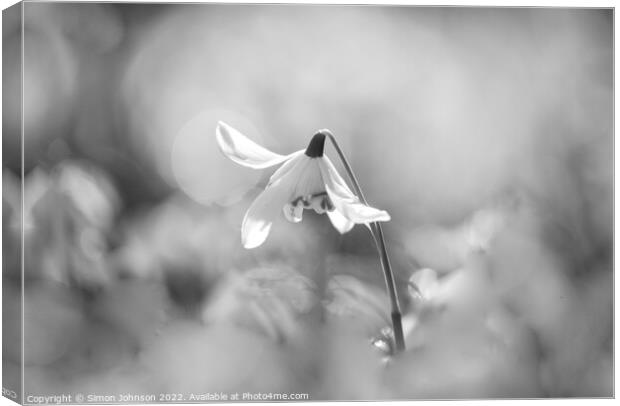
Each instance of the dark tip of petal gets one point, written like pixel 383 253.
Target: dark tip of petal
pixel 317 145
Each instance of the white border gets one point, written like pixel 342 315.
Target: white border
pixel 479 3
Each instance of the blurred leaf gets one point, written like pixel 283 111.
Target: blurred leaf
pixel 89 190
pixel 348 297
pixel 178 233
pixel 269 299
pixel 72 219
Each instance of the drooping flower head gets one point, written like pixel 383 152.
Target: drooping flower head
pixel 307 179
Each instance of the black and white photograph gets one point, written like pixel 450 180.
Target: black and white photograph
pixel 224 203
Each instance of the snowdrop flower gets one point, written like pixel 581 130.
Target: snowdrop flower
pixel 307 179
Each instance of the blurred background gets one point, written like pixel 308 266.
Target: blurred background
pixel 486 133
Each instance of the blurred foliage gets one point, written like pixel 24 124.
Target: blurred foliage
pixel 486 133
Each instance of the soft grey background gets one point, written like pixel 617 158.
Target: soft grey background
pixel 486 133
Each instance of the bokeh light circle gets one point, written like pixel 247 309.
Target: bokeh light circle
pixel 199 167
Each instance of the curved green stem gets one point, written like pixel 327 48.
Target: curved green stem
pixel 377 235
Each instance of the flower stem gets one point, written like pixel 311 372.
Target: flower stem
pixel 377 235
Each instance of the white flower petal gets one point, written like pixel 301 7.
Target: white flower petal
pixel 340 222
pixel 295 158
pixel 244 151
pixel 310 180
pixel 344 200
pixel 332 177
pixel 260 216
pixel 293 212
pixel 256 227
pixel 264 210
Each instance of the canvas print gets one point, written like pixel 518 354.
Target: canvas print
pixel 297 202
